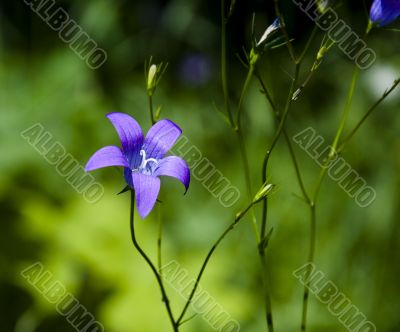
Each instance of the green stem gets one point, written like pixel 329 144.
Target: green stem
pixel 267 292
pixel 165 298
pixel 159 239
pixel 272 146
pixel 311 253
pixel 347 107
pixel 224 78
pixel 238 217
pixel 242 95
pixel 285 33
pixel 287 139
pixel 342 124
pixel 152 119
pixel 243 152
pixel 366 115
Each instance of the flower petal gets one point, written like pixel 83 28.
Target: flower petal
pixel 384 12
pixel 130 134
pixel 105 157
pixel 146 189
pixel 160 138
pixel 175 167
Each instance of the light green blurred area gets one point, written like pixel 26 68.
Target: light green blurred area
pixel 87 247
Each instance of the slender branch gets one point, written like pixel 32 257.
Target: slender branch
pixel 165 298
pixel 308 44
pixel 159 239
pixel 238 217
pixel 333 152
pixel 347 107
pixel 287 138
pixel 273 144
pixel 245 87
pixel 224 76
pixel 365 117
pixel 288 41
pixel 236 125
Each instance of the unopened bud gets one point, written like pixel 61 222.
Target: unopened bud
pixel 151 79
pixel 263 192
pixel 321 52
pixel 272 28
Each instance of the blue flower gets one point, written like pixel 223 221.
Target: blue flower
pixel 384 12
pixel 143 158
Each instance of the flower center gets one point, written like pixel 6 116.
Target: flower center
pixel 147 166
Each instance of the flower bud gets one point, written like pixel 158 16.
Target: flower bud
pixel 263 192
pixel 151 79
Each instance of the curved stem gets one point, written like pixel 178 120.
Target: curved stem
pixel 165 298
pixel 366 115
pixel 342 124
pixel 272 146
pixel 238 217
pixel 287 138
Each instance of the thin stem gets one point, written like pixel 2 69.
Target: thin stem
pixel 268 305
pixel 342 124
pixel 159 239
pixel 347 107
pixel 165 298
pixel 310 260
pixel 152 119
pixel 369 112
pixel 308 44
pixel 245 87
pixel 224 76
pixel 236 126
pixel 238 217
pixel 267 292
pixel 288 42
pixel 287 138
pixel 273 144
pixel 243 152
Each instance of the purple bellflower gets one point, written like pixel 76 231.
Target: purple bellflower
pixel 143 158
pixel 384 12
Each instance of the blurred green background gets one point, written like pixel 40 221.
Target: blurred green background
pixel 87 246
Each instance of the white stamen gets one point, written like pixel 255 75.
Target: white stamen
pixel 145 161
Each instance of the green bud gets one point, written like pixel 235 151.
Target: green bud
pixel 263 192
pixel 321 52
pixel 151 79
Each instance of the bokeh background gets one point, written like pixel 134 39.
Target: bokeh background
pixel 87 246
